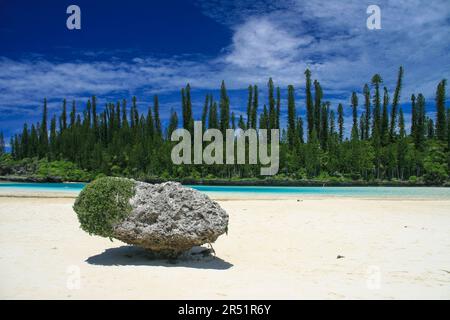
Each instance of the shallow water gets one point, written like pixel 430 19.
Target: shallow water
pixel 42 187
pixel 395 192
pixel 382 192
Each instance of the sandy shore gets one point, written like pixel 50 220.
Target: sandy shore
pixel 274 249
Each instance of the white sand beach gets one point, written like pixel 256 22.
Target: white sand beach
pixel 275 249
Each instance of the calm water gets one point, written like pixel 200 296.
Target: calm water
pixel 407 192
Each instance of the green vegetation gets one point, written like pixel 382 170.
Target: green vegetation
pixel 103 203
pixel 118 141
pixel 43 170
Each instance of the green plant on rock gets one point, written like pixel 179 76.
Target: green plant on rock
pixel 104 203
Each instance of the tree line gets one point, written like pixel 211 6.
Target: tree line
pixel 118 140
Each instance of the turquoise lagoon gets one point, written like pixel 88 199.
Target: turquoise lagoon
pixel 381 192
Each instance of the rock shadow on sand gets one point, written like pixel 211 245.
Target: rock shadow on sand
pixel 197 257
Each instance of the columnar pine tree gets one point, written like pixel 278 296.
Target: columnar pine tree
pixel 420 122
pixel 183 109
pixel 14 147
pixel 43 134
pixel 324 129
pixel 53 139
pixel 401 124
pixel 430 129
pixel 213 121
pixel 173 124
pixel 332 124
pixel 34 142
pixel 117 119
pixel 104 126
pixel 291 130
pixel 135 111
pixel 362 126
pixel 376 124
pixel 73 114
pixel 24 144
pixel 402 146
pixel 312 155
pixel 277 125
pixel 150 124
pixel 254 108
pixel 395 103
pixel 64 116
pixel 264 119
pixel 441 122
pixel 112 121
pixel 385 119
pixel 224 106
pixel 94 114
pixel 309 103
pixel 367 110
pixel 133 120
pixel 341 122
pixel 241 123
pixel 318 95
pixel 249 107
pixel 205 112
pixel 87 115
pixel 125 124
pixel 354 101
pixel 413 115
pixel 272 109
pixel 158 129
pixel 188 120
pixel 300 131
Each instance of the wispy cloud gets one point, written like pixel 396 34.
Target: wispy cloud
pixel 270 39
pixel 332 39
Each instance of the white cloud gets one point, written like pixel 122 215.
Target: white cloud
pixel 270 39
pixel 260 43
pixel 332 39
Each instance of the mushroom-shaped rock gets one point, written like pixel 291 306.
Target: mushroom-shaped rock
pixel 165 218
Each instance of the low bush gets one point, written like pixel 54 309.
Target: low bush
pixel 104 203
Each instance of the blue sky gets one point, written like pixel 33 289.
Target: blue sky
pixel 155 47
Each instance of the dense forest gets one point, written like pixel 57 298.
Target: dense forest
pixel 118 140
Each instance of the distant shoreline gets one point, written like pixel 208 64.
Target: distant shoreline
pixel 245 182
pixel 229 196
